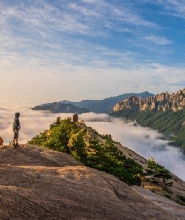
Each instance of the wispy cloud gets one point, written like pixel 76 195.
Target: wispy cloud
pixel 72 17
pixel 172 7
pixel 158 40
pixel 176 6
pixel 66 41
pixel 41 27
pixel 123 14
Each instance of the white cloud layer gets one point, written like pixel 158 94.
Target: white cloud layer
pixel 144 141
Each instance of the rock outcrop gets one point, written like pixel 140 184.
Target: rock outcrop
pixel 38 183
pixel 163 101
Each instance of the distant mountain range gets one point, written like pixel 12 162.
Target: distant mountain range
pixel 57 107
pixel 98 106
pixel 164 112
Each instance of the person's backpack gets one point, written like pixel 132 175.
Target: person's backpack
pixel 16 124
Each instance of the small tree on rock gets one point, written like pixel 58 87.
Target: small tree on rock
pixel 160 172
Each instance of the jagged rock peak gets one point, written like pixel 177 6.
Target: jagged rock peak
pixel 162 101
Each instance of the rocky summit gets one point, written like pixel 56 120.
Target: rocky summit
pixel 163 101
pixel 38 183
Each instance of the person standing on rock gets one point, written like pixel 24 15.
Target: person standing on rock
pixel 16 128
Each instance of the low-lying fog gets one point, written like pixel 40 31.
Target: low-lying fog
pixel 144 141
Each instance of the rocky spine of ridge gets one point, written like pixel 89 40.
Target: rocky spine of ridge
pixel 163 102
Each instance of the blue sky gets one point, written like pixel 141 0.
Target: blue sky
pixel 52 50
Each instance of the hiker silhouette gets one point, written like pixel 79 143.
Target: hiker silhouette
pixel 16 128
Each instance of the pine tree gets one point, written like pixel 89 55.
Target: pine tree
pixel 160 172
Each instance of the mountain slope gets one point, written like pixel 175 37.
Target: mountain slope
pixel 102 153
pixel 38 183
pixel 97 106
pixel 163 112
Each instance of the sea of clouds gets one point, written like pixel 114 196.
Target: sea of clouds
pixel 144 141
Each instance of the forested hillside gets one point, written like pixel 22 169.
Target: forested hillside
pixel 170 123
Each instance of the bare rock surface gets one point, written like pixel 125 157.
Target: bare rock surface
pixel 41 184
pixel 170 206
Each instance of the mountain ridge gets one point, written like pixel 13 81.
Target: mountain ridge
pixel 162 101
pixel 97 106
pixel 57 107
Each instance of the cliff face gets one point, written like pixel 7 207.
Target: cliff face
pixel 163 101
